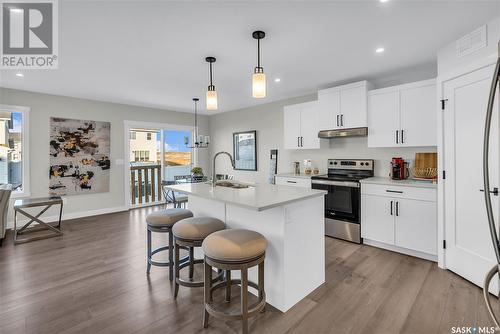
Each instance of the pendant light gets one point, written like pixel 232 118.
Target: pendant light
pixel 199 140
pixel 211 92
pixel 258 76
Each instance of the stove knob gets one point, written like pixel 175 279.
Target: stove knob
pixel 362 164
pixel 335 163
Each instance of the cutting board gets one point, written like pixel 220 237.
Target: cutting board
pixel 426 160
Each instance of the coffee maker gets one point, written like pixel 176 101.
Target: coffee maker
pixel 399 169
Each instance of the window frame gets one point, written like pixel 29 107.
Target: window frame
pixel 25 155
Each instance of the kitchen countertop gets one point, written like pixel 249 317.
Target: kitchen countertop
pixel 405 183
pixel 257 197
pixel 299 176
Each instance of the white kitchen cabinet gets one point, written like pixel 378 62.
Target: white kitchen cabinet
pixel 400 219
pixel 377 223
pixel 343 106
pixel 301 126
pixel 304 182
pixel 404 115
pixel 416 225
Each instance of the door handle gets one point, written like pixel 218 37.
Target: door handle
pixel 397 136
pixel 397 208
pixel 301 141
pixel 392 203
pixel 494 191
pixel 342 120
pixel 298 141
pixel 402 136
pixel 337 120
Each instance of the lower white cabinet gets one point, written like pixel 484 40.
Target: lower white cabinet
pixel 293 181
pixel 402 223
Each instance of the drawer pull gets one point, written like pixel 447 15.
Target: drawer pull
pixel 288 181
pixel 394 191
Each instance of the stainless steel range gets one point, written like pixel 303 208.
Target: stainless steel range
pixel 343 201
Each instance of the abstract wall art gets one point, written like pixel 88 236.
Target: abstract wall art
pixel 79 156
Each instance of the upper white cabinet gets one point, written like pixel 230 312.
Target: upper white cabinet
pixel 343 106
pixel 404 115
pixel 301 126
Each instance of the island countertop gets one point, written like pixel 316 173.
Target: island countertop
pixel 256 197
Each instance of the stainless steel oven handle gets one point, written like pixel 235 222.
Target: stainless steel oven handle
pixel 337 183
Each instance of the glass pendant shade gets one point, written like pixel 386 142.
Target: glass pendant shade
pixel 211 100
pixel 259 85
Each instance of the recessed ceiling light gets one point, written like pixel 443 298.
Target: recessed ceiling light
pixel 19 75
pixel 277 80
pixel 382 1
pixel 379 50
pixel 16 10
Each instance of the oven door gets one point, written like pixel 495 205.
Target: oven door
pixel 342 201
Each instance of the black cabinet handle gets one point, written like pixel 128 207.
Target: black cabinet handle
pixel 298 141
pixel 342 120
pixel 402 136
pixel 397 136
pixel 392 203
pixel 301 141
pixel 288 181
pixel 394 191
pixel 397 208
pixel 337 120
pixel 494 191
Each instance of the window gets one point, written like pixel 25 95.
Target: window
pixel 133 135
pixel 14 168
pixel 141 156
pixel 148 136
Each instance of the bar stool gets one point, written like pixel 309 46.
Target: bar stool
pixel 161 221
pixel 190 233
pixel 234 249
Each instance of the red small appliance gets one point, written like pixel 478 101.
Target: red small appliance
pixel 398 169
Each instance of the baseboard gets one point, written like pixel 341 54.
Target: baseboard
pixel 397 249
pixel 72 215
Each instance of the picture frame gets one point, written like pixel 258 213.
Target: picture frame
pixel 245 150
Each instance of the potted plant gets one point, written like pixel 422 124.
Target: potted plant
pixel 197 174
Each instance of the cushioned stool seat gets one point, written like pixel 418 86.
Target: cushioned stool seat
pixel 190 233
pixel 234 245
pixel 168 217
pixel 197 228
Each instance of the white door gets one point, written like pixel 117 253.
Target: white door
pixel 309 126
pixel 291 126
pixel 416 225
pixel 383 119
pixel 469 251
pixel 378 218
pixel 419 116
pixel 329 109
pixel 353 107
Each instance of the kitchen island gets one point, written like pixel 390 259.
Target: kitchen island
pixel 291 219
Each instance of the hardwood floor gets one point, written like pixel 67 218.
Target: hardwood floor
pixel 93 280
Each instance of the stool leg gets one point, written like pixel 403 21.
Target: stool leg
pixel 228 286
pixel 261 283
pixel 170 255
pixel 244 300
pixel 176 261
pixel 191 263
pixel 207 293
pixel 149 251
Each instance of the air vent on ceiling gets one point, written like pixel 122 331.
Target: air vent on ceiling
pixel 472 42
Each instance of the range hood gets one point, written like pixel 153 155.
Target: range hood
pixel 351 132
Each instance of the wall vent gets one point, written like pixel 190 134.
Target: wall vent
pixel 472 42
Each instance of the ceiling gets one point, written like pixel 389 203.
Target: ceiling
pixel 151 53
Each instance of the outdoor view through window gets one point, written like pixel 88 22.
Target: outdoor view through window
pixel 145 155
pixel 11 168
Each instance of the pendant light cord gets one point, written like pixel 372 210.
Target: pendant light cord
pixel 258 53
pixel 211 85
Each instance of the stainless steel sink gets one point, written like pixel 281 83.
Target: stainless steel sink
pixel 229 184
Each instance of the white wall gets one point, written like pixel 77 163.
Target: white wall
pixel 268 121
pixel 44 106
pixel 447 56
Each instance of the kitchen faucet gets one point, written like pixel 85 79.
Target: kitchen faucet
pixel 213 166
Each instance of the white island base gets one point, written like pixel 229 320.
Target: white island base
pixel 295 257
